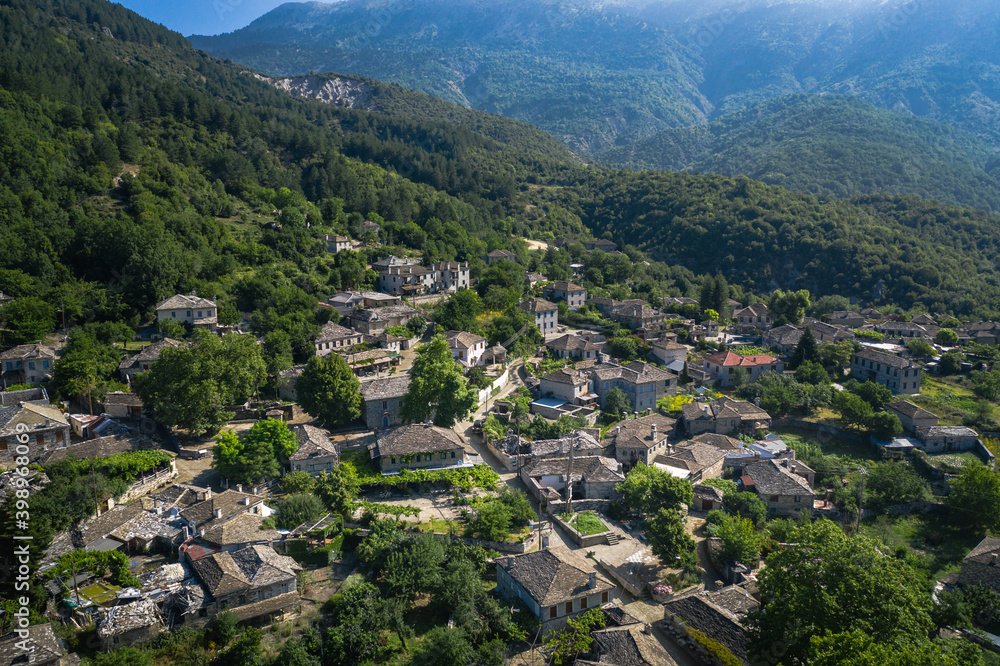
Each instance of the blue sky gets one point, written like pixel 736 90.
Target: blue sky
pixel 202 17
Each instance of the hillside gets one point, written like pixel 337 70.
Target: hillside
pixel 135 167
pixel 832 145
pixel 356 92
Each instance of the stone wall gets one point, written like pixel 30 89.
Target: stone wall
pixel 584 541
pixel 148 484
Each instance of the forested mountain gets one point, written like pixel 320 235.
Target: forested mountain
pixel 596 77
pixel 133 167
pixel 834 145
pixel 519 58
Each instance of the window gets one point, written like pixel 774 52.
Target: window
pixel 188 313
pixel 569 607
pixel 45 365
pixel 553 612
pixel 452 454
pixel 797 499
pixel 583 603
pixel 604 597
pixel 444 456
pixel 393 460
pixel 31 365
pixel 773 498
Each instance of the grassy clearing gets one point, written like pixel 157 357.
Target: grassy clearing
pixel 951 400
pixel 828 444
pixel 587 523
pixel 939 539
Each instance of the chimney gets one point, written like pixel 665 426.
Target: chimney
pixel 239 487
pixel 994 558
pixel 246 500
pixel 510 563
pixel 208 493
pixel 592 583
pixel 218 513
pixel 652 432
pixel 201 532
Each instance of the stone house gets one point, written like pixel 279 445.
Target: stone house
pixel 128 624
pixel 912 417
pixel 382 400
pixel 451 276
pixel 899 375
pixel 554 584
pixel 783 338
pixel 829 333
pixel 27 364
pixel 902 329
pixel 372 321
pixel 574 295
pixel 782 489
pixel 720 614
pixel 573 346
pixel 466 348
pixel 218 508
pixel 723 416
pixel 637 316
pixel 418 446
pixel 334 337
pixel 722 367
pixel 500 255
pixel 335 244
pixel 846 319
pixel 982 565
pixel 36 396
pixel 707 498
pixel 316 452
pixel 346 301
pixel 602 244
pixel 640 440
pixel 546 314
pixel 593 477
pixel 753 319
pixel 397 277
pixel 947 438
pixel 144 360
pixel 567 384
pixel 245 576
pixel 41 427
pixel 693 460
pixel 642 383
pixel 120 405
pixel 667 351
pixel 189 309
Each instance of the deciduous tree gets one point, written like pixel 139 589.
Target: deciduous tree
pixel 328 389
pixel 437 387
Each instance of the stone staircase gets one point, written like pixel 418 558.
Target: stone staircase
pixel 612 539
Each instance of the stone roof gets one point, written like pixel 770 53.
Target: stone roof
pixel 98 527
pixel 706 612
pixel 567 376
pixel 947 431
pixel 416 438
pixel 694 457
pixel 102 447
pixel 901 326
pixel 149 353
pixel 313 443
pixel 27 351
pixel 595 469
pixel 728 359
pixel 636 372
pixel 570 342
pixel 464 339
pixel 184 302
pixel 553 576
pixel 618 616
pixel 501 254
pixel 44 647
pixel 267 606
pixel 630 646
pixel 984 551
pixel 245 569
pixel 534 277
pixel 36 417
pixel 771 477
pixel 118 620
pixel 336 238
pixel 122 398
pixel 536 305
pixel 385 388
pixel 908 409
pixel 331 332
pixel 702 491
pixel 384 312
pixel 577 441
pixel 724 442
pixel 563 285
pixel 243 528
pixel 230 502
pixel 784 335
pixel 844 314
pixel 885 359
pixel 667 344
pixel 638 433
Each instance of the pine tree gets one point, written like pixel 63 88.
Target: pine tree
pixel 805 350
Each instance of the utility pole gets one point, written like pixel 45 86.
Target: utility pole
pixel 569 484
pixel 861 498
pixel 93 478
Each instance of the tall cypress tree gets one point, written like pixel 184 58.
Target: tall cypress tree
pixel 805 350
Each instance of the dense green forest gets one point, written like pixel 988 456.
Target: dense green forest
pixel 134 167
pixel 832 145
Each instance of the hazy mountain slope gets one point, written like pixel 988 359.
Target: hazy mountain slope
pixel 356 92
pixel 591 79
pixel 833 145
